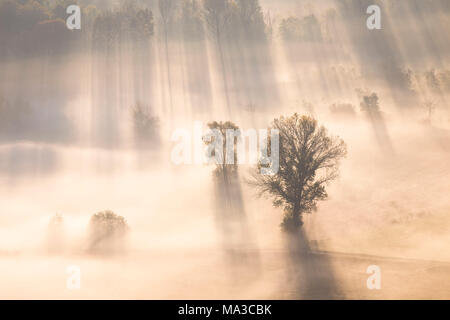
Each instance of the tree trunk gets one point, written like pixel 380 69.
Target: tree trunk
pixel 296 215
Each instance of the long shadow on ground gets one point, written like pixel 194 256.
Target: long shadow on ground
pixel 310 275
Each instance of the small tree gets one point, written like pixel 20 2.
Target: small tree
pixel 107 232
pixel 309 159
pixel 145 126
pixel 223 169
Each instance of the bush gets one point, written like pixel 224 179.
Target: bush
pixel 107 233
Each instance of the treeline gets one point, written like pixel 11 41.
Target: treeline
pixel 32 27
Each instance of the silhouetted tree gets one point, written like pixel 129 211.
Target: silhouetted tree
pixel 223 169
pixel 145 125
pixel 309 159
pixel 217 14
pixel 190 20
pixel 429 106
pixel 370 104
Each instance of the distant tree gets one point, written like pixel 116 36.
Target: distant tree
pixel 107 232
pixel 217 14
pixel 444 79
pixel 55 235
pixel 90 13
pixel 18 20
pixel 309 160
pixel 56 220
pixel 305 29
pixel 311 29
pixel 330 27
pixel 145 125
pixel 251 19
pixel 141 25
pixel 190 20
pixel 17 118
pixel 223 169
pixel 429 107
pixel 290 29
pixel 432 80
pixel 53 36
pixel 167 11
pixel 269 22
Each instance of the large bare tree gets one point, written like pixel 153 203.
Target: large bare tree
pixel 308 160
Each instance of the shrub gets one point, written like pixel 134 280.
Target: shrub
pixel 107 233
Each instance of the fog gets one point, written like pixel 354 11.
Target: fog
pixel 86 124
